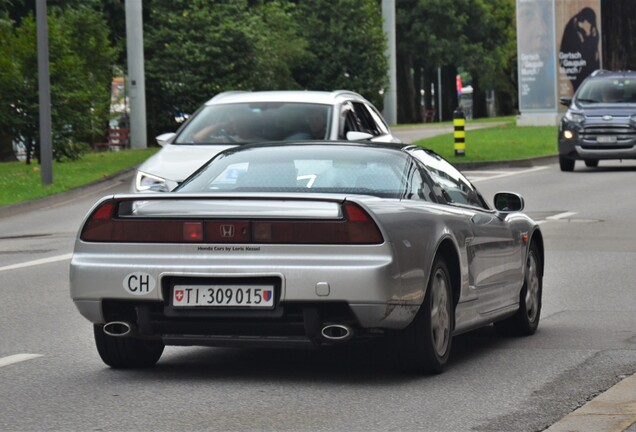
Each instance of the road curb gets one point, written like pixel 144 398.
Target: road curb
pixel 517 163
pixel 611 411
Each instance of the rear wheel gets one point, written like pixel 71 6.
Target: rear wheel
pixel 566 164
pixel 526 320
pixel 591 163
pixel 424 346
pixel 126 352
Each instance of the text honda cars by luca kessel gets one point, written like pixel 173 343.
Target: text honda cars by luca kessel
pixel 308 244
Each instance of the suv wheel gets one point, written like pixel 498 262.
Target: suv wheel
pixel 566 164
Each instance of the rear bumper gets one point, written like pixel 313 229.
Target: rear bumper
pixel 297 324
pixel 360 286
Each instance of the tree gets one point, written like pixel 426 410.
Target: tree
pixel 81 59
pixel 490 53
pixel 196 49
pixel 346 46
pixel 9 88
pixel 619 34
pixel 477 35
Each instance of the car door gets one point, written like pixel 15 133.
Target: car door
pixel 493 251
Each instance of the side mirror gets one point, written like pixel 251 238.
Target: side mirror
pixel 508 202
pixel 566 101
pixel 165 138
pixel 358 136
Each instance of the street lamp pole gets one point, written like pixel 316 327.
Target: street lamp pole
pixel 390 95
pixel 44 87
pixel 136 80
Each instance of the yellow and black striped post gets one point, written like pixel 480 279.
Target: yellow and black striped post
pixel 459 121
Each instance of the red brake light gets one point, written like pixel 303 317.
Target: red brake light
pixel 193 231
pixel 106 225
pixel 104 212
pixel 355 213
pixel 98 225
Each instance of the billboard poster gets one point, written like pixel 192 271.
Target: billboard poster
pixel 536 55
pixel 578 29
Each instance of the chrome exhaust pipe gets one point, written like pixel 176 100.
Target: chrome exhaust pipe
pixel 337 332
pixel 118 329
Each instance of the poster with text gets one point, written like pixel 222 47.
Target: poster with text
pixel 578 29
pixel 536 55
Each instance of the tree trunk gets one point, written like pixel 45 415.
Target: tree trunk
pixel 449 92
pixel 405 90
pixel 480 105
pixel 618 29
pixel 6 148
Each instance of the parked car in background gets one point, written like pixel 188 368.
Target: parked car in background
pixel 309 244
pixel 235 118
pixel 600 122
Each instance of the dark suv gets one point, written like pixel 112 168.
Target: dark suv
pixel 600 122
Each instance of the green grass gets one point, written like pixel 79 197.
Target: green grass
pixel 505 142
pixel 20 182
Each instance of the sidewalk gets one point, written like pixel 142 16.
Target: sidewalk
pixel 611 411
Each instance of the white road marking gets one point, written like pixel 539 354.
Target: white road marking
pixel 560 216
pixel 17 358
pixel 500 173
pixel 37 262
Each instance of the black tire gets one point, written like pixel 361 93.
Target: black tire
pixel 425 345
pixel 566 164
pixel 526 320
pixel 127 352
pixel 591 163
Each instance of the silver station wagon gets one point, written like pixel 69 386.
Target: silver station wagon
pixel 308 245
pixel 235 118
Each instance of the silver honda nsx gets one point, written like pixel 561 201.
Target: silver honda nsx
pixel 308 244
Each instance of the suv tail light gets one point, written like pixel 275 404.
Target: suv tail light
pixel 106 225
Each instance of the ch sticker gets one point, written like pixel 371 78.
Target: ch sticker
pixel 139 283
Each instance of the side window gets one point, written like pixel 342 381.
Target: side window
pixel 452 185
pixel 379 121
pixel 349 121
pixel 366 121
pixel 418 187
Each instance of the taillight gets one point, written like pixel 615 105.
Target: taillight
pixel 193 231
pixel 356 227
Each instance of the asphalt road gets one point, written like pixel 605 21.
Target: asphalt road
pixel 586 341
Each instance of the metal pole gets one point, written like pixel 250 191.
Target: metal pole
pixel 44 87
pixel 439 92
pixel 136 80
pixel 390 95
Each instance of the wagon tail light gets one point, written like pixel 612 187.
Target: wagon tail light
pixel 108 224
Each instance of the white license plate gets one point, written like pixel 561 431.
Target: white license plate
pixel 252 296
pixel 606 139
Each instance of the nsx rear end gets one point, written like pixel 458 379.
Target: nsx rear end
pixel 240 270
pixel 308 244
